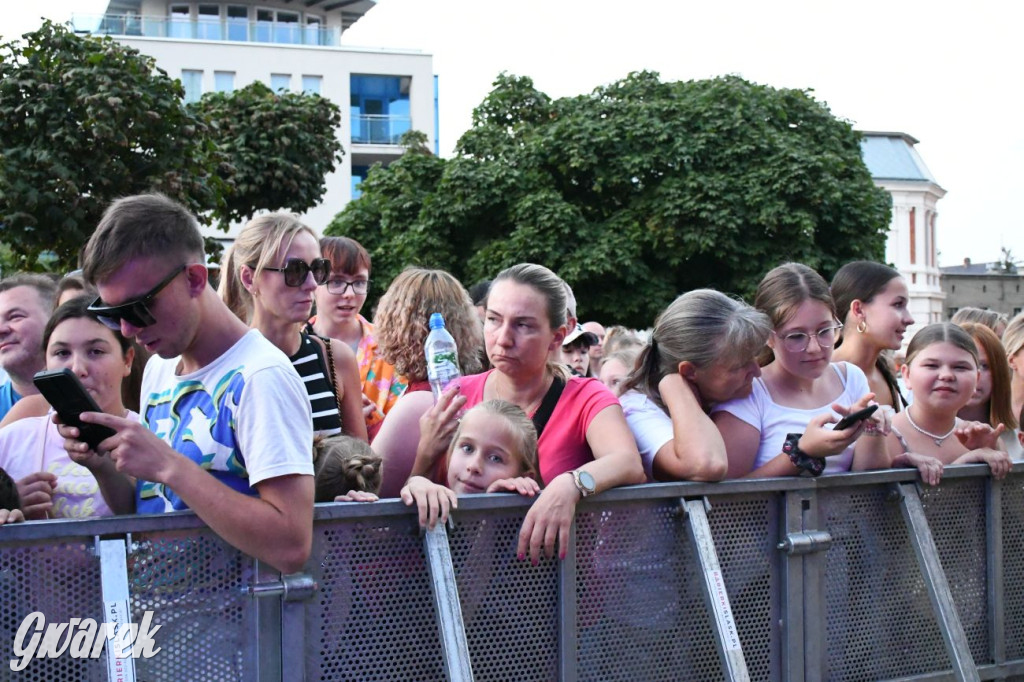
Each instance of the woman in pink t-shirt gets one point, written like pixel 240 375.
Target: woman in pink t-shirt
pixel 584 445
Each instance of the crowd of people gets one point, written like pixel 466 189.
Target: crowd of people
pixel 250 401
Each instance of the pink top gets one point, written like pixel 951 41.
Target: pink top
pixel 563 444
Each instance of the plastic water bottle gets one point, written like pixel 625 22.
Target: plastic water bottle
pixel 442 356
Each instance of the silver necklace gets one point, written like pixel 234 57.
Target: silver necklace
pixel 935 437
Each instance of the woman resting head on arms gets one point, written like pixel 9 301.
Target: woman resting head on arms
pixel 494 450
pixel 50 484
pixel 584 445
pixel 267 279
pixel 942 371
pixel 338 306
pixel 990 403
pixel 871 300
pixel 402 323
pixel 346 469
pixel 783 427
pixel 703 351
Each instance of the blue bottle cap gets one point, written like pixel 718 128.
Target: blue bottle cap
pixel 436 321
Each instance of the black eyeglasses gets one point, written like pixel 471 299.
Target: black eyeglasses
pixel 136 311
pixel 296 270
pixel 340 286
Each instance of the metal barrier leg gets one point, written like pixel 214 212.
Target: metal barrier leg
pixel 450 625
pixel 568 635
pixel 729 650
pixel 994 556
pixel 117 609
pixel 938 588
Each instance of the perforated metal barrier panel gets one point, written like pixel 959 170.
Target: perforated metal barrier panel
pixel 633 585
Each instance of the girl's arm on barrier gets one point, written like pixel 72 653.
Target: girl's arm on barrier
pixel 929 467
pixel 524 485
pixel 432 500
pixel 998 461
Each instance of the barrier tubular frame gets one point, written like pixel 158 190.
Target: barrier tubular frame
pixel 279 644
pixel 734 666
pixel 948 620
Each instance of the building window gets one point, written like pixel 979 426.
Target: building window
pixel 238 22
pixel 193 82
pixel 208 26
pixel 913 236
pixel 180 23
pixel 311 84
pixel 1016 311
pixel 358 175
pixel 379 108
pixel 313 35
pixel 224 81
pixel 280 81
pixel 952 312
pixel 984 289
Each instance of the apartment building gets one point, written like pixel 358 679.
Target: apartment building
pixel 293 45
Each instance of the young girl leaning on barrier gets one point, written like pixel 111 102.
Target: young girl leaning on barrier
pixel 494 450
pixel 942 371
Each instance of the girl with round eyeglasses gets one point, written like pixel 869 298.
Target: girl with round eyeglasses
pixel 268 278
pixel 338 315
pixel 784 426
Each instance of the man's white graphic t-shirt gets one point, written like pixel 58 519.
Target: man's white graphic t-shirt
pixel 245 418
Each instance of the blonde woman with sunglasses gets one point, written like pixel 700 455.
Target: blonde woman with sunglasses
pixel 268 277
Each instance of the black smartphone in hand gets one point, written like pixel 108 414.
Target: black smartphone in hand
pixel 68 397
pixel 851 419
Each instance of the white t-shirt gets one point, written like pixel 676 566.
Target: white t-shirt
pixel 245 418
pixel 774 421
pixel 651 426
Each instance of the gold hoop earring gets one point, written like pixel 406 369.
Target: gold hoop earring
pixel 862 326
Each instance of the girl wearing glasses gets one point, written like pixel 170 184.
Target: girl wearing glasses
pixel 783 427
pixel 338 306
pixel 268 277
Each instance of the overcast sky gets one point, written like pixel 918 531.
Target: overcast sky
pixel 950 75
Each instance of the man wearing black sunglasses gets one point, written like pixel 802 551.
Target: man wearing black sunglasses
pixel 225 427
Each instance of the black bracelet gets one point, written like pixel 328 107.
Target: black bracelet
pixel 801 460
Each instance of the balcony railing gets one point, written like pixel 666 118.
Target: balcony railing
pixel 230 30
pixel 379 129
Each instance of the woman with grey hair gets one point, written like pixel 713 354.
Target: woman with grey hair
pixel 703 351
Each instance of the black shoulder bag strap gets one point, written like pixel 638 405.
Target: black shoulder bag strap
pixel 547 406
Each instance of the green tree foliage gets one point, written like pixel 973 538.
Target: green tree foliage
pixel 633 193
pixel 83 121
pixel 280 146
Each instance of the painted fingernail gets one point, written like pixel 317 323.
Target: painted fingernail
pixel 520 556
pixel 561 555
pixel 534 561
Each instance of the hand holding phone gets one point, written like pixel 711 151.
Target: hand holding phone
pixel 854 417
pixel 68 397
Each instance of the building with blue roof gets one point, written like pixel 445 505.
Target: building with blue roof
pixel 896 166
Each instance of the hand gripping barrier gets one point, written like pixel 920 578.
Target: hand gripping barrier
pixel 849 577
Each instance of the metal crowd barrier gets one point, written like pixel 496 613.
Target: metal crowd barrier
pixel 849 577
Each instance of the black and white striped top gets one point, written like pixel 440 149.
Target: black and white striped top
pixel 312 366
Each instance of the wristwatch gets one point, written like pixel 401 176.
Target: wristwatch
pixel 801 460
pixel 585 483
